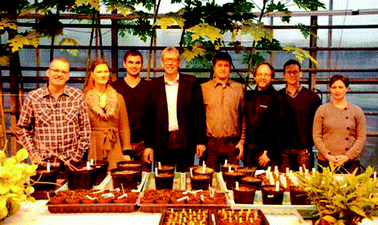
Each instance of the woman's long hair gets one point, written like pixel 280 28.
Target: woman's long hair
pixel 91 82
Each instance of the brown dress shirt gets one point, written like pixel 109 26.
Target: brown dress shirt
pixel 224 106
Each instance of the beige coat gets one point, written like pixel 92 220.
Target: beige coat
pixel 110 127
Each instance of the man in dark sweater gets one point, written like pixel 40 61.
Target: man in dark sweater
pixel 137 95
pixel 299 119
pixel 264 115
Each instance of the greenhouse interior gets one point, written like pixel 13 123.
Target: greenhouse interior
pixel 327 38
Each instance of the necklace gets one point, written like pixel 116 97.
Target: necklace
pixel 102 97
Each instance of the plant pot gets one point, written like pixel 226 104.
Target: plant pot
pixel 73 200
pixel 126 179
pixel 270 196
pixel 234 167
pixel 298 196
pixel 44 176
pixel 101 171
pixel 200 182
pixel 132 165
pixel 82 179
pixel 166 169
pixel 244 195
pixel 231 177
pixel 56 200
pixel 200 171
pixel 252 181
pixel 164 181
pixel 248 171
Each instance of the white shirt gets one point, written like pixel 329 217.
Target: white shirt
pixel 171 90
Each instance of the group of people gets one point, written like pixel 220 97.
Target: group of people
pixel 174 117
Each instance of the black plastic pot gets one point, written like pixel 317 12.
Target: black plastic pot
pixel 82 179
pixel 133 166
pixel 298 196
pixel 270 196
pixel 231 177
pixel 244 195
pixel 126 179
pixel 101 171
pixel 252 181
pixel 164 181
pixel 200 182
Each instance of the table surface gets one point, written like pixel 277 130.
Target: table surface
pixel 38 214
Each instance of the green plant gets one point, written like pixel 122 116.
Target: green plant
pixel 15 186
pixel 341 199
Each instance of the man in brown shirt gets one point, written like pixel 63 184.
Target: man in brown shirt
pixel 224 103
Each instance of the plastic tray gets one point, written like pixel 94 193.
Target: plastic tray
pixel 90 208
pixel 264 221
pixel 167 211
pixel 258 199
pixel 179 183
pixel 97 207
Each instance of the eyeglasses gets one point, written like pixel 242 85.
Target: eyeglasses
pixel 170 59
pixel 59 71
pixel 292 72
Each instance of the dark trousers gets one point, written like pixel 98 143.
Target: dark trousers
pixel 138 149
pixel 252 155
pixel 176 155
pixel 348 167
pixel 294 158
pixel 220 149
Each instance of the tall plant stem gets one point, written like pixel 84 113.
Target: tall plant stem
pixel 152 40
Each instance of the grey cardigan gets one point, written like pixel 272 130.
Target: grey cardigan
pixel 339 131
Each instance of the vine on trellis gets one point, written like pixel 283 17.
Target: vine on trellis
pixel 204 24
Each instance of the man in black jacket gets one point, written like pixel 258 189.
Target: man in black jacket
pixel 178 114
pixel 264 113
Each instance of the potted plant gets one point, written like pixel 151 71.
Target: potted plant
pixel 346 200
pixel 15 182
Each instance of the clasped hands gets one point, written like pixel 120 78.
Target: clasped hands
pixel 337 160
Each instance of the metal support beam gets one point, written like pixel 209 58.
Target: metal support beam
pixel 114 48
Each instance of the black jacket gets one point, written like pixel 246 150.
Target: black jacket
pixel 190 114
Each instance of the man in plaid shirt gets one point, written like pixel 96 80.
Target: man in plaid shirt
pixel 54 123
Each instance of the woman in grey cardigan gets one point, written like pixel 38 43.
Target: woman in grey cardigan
pixel 339 129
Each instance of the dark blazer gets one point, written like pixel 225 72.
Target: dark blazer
pixel 190 114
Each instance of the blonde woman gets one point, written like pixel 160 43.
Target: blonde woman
pixel 108 117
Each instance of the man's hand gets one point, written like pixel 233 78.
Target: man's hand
pixel 240 146
pixel 200 150
pixel 264 159
pixel 148 155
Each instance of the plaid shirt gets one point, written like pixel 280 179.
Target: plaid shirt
pixel 48 126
